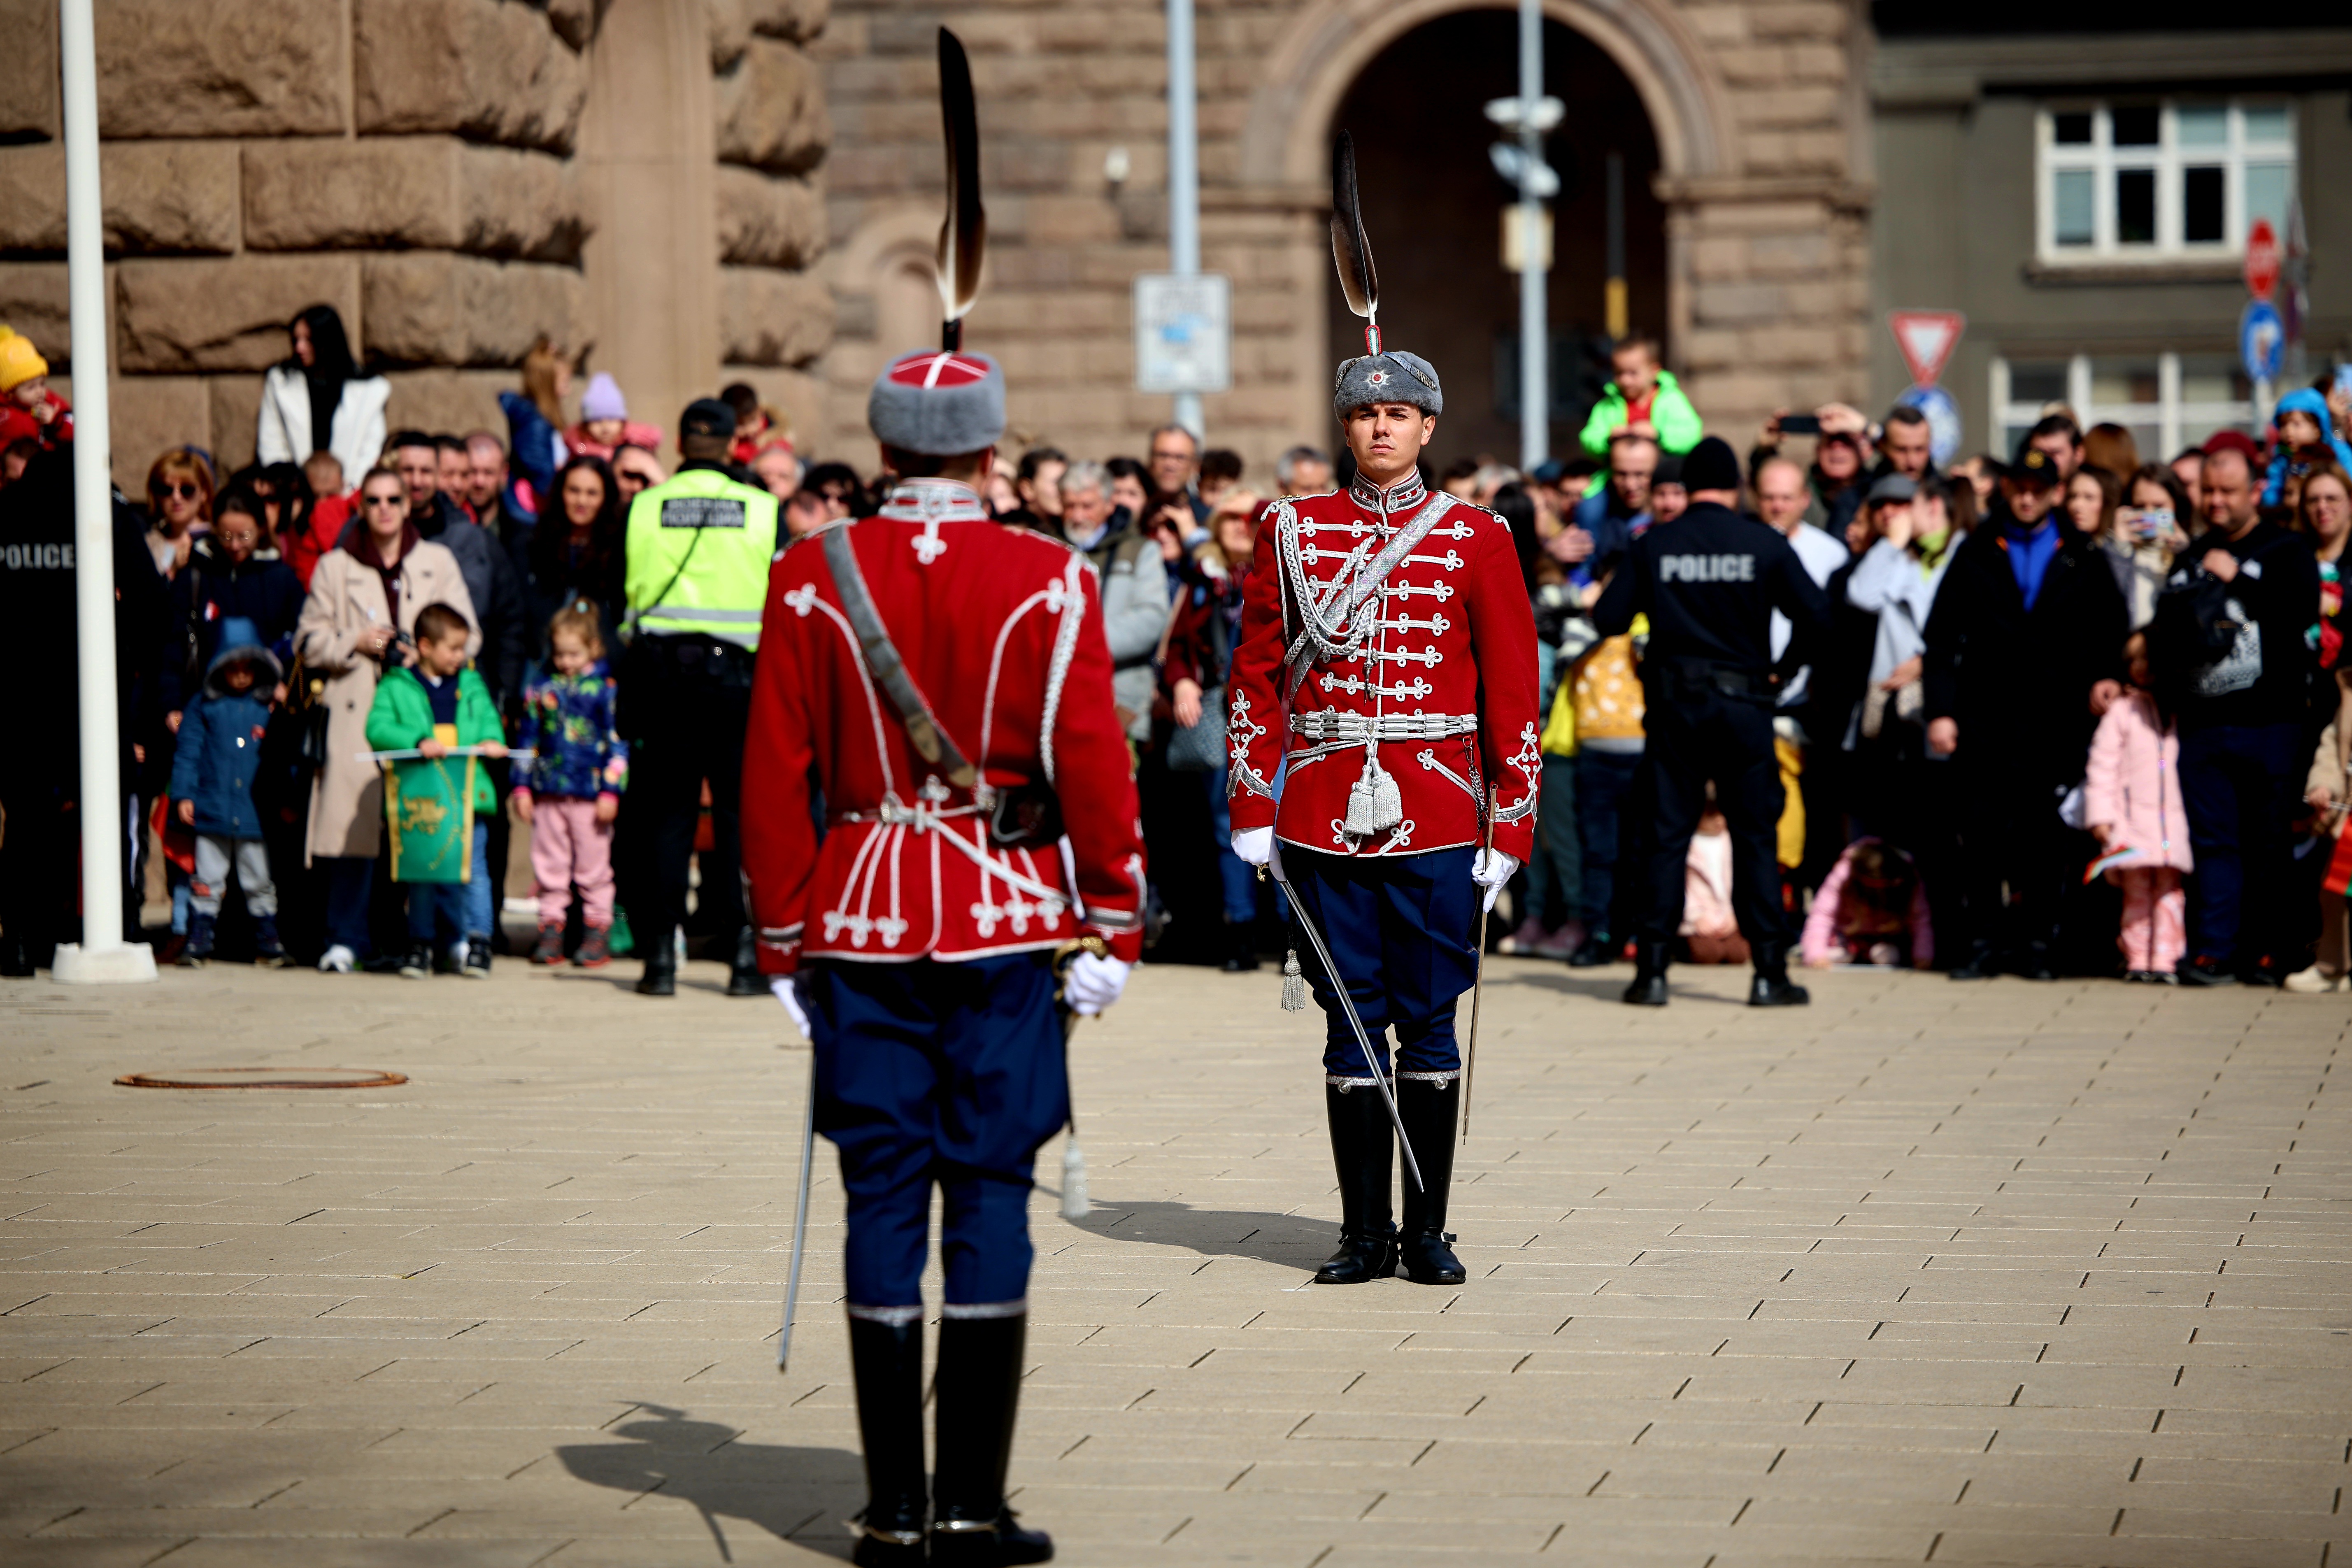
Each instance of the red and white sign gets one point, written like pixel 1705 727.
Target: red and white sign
pixel 1926 339
pixel 2262 259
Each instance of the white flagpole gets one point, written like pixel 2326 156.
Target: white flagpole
pixel 102 956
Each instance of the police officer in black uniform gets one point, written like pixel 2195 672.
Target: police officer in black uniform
pixel 1709 582
pixel 41 764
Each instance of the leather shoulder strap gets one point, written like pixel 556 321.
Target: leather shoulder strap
pixel 930 740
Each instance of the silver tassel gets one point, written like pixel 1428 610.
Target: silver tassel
pixel 1293 984
pixel 1374 802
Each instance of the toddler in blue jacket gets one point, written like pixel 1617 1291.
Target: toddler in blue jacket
pixel 214 764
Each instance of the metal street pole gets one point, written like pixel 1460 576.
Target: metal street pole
pixel 102 955
pixel 1535 276
pixel 1184 178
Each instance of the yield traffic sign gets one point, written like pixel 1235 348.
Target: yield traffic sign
pixel 1926 339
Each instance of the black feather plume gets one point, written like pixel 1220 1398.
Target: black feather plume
pixel 963 236
pixel 1351 252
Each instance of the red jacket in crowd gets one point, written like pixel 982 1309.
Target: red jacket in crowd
pixel 1453 655
pixel 301 551
pixel 16 422
pixel 1001 631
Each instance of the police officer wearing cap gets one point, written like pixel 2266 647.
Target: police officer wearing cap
pixel 2024 650
pixel 1709 580
pixel 697 550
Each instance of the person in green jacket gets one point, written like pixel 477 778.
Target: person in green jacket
pixel 1644 397
pixel 439 703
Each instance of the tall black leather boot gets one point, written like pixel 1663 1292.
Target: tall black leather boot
pixel 1424 1249
pixel 743 977
pixel 1649 987
pixel 660 952
pixel 1363 1151
pixel 1772 988
pixel 887 1360
pixel 979 1391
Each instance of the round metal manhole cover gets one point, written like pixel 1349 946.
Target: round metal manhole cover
pixel 264 1077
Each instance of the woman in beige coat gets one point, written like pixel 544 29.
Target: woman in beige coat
pixel 362 595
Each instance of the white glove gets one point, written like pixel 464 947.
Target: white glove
pixel 1090 985
pixel 1257 847
pixel 787 991
pixel 1491 870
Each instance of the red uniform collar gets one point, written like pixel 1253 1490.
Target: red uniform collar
pixel 934 500
pixel 1406 493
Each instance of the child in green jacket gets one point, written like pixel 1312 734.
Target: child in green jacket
pixel 439 704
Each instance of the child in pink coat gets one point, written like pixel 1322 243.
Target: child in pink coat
pixel 2132 805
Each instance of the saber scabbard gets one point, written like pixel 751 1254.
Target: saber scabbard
pixel 1354 1020
pixel 1477 984
pixel 800 1215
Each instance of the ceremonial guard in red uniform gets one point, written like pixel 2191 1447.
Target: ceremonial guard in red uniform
pixel 1384 693
pixel 943 685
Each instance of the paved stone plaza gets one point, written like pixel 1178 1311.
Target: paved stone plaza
pixel 2004 1273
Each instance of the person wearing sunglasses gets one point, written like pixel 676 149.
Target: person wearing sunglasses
pixel 180 501
pixel 358 621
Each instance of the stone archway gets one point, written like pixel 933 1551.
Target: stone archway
pixel 1329 42
pixel 1766 255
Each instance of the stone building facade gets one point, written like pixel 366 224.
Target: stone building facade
pixel 454 176
pixel 1755 110
pixel 723 189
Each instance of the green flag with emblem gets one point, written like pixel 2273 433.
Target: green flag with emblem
pixel 429 808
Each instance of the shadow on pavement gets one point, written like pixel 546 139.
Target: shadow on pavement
pixel 1608 986
pixel 780 1490
pixel 1293 1241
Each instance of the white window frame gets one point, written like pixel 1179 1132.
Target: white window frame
pixel 2167 158
pixel 2177 423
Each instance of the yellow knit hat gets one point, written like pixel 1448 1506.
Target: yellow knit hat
pixel 20 362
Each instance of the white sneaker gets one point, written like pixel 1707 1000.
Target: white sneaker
pixel 337 960
pixel 2311 982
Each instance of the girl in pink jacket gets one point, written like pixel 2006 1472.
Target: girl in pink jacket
pixel 2131 803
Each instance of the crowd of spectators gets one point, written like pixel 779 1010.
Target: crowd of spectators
pixel 2076 712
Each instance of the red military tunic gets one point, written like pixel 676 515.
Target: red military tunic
pixel 1436 676
pixel 1002 630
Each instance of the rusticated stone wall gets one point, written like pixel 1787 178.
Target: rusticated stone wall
pixel 1755 106
pixel 434 170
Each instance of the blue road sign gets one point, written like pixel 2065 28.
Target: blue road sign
pixel 2262 341
pixel 1943 421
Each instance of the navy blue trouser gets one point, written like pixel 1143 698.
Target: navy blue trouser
pixel 946 1073
pixel 2239 783
pixel 1399 927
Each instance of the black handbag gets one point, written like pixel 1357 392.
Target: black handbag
pixel 294 745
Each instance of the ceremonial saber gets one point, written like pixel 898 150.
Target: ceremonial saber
pixel 1348 1004
pixel 1074 1202
pixel 800 1215
pixel 1477 982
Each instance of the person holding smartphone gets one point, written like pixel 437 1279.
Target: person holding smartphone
pixel 2147 534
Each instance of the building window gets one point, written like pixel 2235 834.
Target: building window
pixel 2169 179
pixel 2167 401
